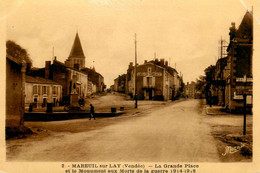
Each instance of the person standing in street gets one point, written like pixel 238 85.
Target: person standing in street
pixel 92 112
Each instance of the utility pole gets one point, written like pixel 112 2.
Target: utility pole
pixel 244 99
pixel 135 74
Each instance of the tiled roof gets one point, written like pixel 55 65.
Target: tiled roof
pixel 64 65
pixel 246 27
pixel 31 79
pixel 15 59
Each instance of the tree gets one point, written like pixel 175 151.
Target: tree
pixel 16 51
pixel 209 71
pixel 201 83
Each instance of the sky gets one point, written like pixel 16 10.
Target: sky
pixel 184 32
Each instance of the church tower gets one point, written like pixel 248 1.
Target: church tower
pixel 76 58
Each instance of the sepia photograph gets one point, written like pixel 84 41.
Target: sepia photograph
pixel 129 86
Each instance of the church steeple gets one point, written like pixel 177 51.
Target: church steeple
pixel 76 50
pixel 76 57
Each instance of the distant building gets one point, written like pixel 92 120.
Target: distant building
pixel 119 83
pixel 92 88
pixel 40 91
pixel 96 79
pixel 15 91
pixel 190 90
pixel 155 80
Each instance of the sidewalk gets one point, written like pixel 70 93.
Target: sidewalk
pixel 215 110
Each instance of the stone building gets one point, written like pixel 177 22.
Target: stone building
pixel 15 91
pixel 190 90
pixel 238 72
pixel 63 75
pixel 232 75
pixel 119 83
pixel 72 75
pixel 41 91
pixel 155 80
pixel 95 78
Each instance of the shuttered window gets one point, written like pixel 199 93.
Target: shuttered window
pixel 44 90
pixel 35 89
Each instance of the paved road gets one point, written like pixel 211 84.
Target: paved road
pixel 172 133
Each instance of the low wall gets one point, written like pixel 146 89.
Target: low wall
pixel 56 116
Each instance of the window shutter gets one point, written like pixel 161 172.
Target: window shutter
pixel 39 89
pixel 144 81
pixel 48 90
pixel 153 81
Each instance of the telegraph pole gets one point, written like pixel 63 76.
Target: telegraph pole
pixel 135 74
pixel 244 98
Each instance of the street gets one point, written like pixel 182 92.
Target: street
pixel 171 133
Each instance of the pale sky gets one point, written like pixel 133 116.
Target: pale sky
pixel 186 32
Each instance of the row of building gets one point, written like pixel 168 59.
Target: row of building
pixel 55 83
pixel 232 76
pixel 154 80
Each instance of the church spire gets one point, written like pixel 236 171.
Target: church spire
pixel 76 50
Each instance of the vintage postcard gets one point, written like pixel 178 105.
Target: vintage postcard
pixel 130 86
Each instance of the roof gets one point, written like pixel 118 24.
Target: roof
pixel 87 70
pixel 76 50
pixel 150 63
pixel 66 66
pixel 245 29
pixel 168 68
pixel 16 60
pixel 31 79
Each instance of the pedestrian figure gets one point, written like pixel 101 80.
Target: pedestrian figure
pixel 92 112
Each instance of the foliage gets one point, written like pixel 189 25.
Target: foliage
pixel 209 71
pixel 201 83
pixel 16 51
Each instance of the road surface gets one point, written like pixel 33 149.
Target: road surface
pixel 176 132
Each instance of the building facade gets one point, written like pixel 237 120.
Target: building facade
pixel 95 78
pixel 72 75
pixel 15 91
pixel 240 52
pixel 232 76
pixel 40 91
pixel 119 83
pixel 190 90
pixel 154 80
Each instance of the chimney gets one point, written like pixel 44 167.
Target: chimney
pixel 145 61
pixel 161 62
pixel 232 31
pixel 47 69
pixel 166 63
pixel 233 25
pixel 55 58
pixel 156 60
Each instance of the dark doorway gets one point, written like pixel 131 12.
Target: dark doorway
pixel 150 94
pixel 44 102
pixel 54 102
pixel 35 102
